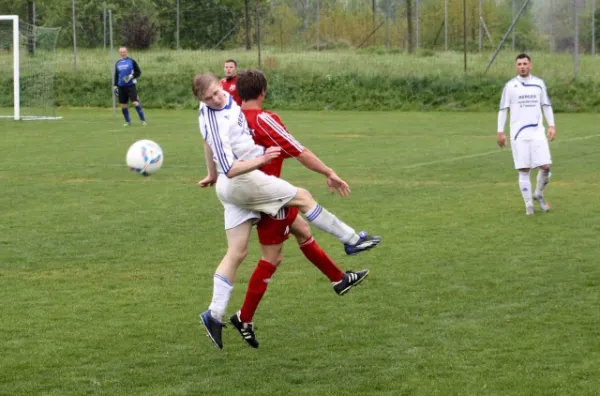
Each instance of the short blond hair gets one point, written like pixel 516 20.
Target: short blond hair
pixel 201 83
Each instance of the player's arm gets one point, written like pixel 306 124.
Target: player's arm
pixel 272 126
pixel 310 161
pixel 548 112
pixel 136 69
pixel 211 168
pixel 502 115
pixel 116 81
pixel 240 167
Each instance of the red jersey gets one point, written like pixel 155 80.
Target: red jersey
pixel 268 131
pixel 230 87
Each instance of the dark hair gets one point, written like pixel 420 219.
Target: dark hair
pixel 251 84
pixel 523 56
pixel 231 61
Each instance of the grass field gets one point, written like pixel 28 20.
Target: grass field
pixel 103 272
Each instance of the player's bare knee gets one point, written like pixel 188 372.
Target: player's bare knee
pixel 237 255
pixel 135 103
pixel 303 200
pixel 272 254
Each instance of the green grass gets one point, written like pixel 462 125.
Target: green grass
pixel 367 62
pixel 103 272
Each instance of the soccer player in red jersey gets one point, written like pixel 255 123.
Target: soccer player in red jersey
pixel 229 83
pixel 269 131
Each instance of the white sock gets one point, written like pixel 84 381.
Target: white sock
pixel 525 186
pixel 543 178
pixel 222 288
pixel 325 221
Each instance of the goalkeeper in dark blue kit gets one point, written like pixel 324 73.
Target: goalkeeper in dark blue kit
pixel 126 73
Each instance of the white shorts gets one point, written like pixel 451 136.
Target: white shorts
pixel 235 216
pixel 530 153
pixel 253 192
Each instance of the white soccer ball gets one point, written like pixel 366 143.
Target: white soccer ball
pixel 145 157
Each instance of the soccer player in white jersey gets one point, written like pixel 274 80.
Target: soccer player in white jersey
pixel 526 97
pixel 232 160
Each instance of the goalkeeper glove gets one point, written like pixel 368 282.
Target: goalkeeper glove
pixel 116 90
pixel 128 78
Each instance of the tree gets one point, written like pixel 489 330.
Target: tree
pixel 138 31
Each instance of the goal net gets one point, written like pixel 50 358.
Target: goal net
pixel 27 69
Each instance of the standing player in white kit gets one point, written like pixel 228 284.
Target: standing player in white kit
pixel 232 160
pixel 526 97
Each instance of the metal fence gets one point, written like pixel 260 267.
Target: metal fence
pixel 471 29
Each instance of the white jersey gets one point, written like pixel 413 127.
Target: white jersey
pixel 525 98
pixel 227 133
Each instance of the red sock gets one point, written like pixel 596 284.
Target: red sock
pixel 257 286
pixel 321 260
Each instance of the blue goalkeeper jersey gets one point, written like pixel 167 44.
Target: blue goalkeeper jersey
pixel 124 69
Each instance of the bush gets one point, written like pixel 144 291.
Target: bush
pixel 318 92
pixel 138 31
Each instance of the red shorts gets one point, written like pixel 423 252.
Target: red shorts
pixel 274 230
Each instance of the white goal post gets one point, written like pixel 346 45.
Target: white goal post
pixel 32 72
pixel 16 63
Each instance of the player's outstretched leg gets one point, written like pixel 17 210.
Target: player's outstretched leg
pixel 342 282
pixel 543 178
pixel 324 220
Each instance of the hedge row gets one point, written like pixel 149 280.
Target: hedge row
pixel 310 92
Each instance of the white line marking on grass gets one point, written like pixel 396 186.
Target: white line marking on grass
pixel 454 159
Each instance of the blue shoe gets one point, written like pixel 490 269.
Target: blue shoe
pixel 213 327
pixel 365 242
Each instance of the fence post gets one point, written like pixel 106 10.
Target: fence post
pixel 465 32
pixel 177 24
pixel 576 49
pixel 593 27
pixel 112 64
pixel 104 24
pixel 417 36
pixel 506 36
pixel 258 32
pixel 317 22
pixel 74 37
pixel 480 26
pixel 513 21
pixel 445 25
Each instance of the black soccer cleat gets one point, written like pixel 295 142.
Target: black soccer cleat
pixel 351 279
pixel 245 329
pixel 214 328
